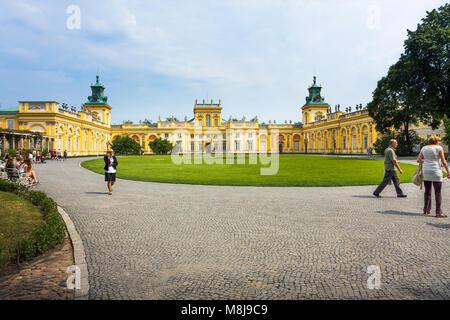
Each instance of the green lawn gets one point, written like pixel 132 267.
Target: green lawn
pixel 18 219
pixel 294 170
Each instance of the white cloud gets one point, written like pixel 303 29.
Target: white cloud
pixel 256 54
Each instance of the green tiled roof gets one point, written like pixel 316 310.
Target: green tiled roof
pixel 10 110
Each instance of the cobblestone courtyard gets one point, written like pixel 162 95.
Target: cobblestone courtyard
pixel 166 241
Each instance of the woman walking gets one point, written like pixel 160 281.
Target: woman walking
pixel 110 169
pixel 433 159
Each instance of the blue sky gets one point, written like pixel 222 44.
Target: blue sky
pixel 156 57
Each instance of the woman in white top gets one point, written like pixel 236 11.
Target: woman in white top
pixel 433 159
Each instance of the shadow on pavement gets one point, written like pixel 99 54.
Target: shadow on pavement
pixel 400 213
pixel 371 196
pixel 96 192
pixel 437 225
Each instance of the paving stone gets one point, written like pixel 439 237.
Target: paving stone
pixel 169 241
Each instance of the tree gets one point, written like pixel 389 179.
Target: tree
pixel 125 145
pixel 403 149
pixel 147 122
pixel 394 104
pixel 416 87
pixel 446 138
pixel 160 146
pixel 427 50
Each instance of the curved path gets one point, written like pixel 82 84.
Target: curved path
pixel 168 241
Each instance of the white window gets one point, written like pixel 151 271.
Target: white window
pixel 250 145
pixel 200 122
pixel 10 123
pixel 237 145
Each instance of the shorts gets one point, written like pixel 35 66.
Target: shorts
pixel 110 176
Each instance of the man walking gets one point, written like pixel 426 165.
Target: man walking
pixel 390 163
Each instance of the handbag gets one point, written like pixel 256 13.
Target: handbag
pixel 417 178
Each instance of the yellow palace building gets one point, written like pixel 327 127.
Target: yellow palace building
pixel 50 125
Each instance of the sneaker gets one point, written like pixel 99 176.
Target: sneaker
pixel 401 196
pixel 376 195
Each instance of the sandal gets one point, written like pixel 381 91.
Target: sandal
pixel 426 212
pixel 441 215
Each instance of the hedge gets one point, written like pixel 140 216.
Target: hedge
pixel 49 235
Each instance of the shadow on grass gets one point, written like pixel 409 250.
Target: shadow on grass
pixel 400 213
pixel 441 226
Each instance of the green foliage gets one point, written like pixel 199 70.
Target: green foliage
pixel 394 100
pixel 427 51
pixel 416 87
pixel 46 237
pixel 125 145
pixel 160 146
pixel 446 138
pixel 405 144
pixel 12 152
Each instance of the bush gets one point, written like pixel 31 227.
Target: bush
pixel 12 152
pixel 49 235
pixel 125 145
pixel 405 146
pixel 160 146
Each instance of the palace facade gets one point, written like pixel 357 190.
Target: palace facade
pixel 89 131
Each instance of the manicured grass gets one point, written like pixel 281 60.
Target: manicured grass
pixel 294 170
pixel 18 220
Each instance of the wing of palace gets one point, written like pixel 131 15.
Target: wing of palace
pixel 88 131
